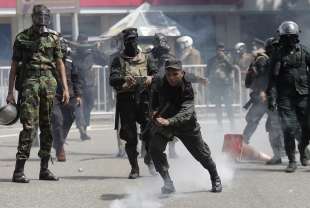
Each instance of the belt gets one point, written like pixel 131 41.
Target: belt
pixel 39 73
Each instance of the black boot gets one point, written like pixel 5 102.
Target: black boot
pixel 18 175
pixel 216 185
pixel 83 134
pixel 303 157
pixel 168 187
pixel 292 166
pixel 45 173
pixel 274 161
pixel 134 173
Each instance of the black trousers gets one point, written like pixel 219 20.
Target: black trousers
pixel 83 112
pixel 294 114
pixel 132 113
pixel 194 144
pixel 62 119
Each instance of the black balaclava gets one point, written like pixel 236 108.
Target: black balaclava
pixel 131 47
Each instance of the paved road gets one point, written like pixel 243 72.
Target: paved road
pixel 94 178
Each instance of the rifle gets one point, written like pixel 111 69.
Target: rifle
pixel 151 123
pixel 248 104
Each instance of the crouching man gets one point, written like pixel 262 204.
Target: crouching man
pixel 174 115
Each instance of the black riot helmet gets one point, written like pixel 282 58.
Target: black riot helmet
pixel 40 15
pixel 288 28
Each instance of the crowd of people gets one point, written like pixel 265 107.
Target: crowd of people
pixel 154 91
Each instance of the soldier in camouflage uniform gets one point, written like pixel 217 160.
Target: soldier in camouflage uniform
pixel 36 56
pixel 174 115
pixel 63 115
pixel 220 76
pixel 127 73
pixel 288 90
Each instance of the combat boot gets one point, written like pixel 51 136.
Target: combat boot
pixel 83 135
pixel 135 172
pixel 292 166
pixel 61 154
pixel 274 161
pixel 45 173
pixel 168 187
pixel 303 156
pixel 216 185
pixel 18 175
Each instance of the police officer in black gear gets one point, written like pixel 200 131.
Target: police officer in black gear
pixel 63 115
pixel 131 76
pixel 288 90
pixel 174 115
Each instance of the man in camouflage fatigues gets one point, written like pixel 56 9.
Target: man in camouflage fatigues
pixel 128 71
pixel 36 56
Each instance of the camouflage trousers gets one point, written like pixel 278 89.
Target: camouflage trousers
pixel 36 104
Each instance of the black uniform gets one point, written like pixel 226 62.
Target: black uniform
pixel 135 99
pixel 289 89
pixel 63 115
pixel 177 105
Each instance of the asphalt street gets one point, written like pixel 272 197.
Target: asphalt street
pixel 93 177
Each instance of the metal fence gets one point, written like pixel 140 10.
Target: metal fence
pixel 105 96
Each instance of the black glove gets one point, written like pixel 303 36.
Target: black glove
pixel 272 106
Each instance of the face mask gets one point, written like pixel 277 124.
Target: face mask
pixel 131 47
pixel 40 21
pixel 288 41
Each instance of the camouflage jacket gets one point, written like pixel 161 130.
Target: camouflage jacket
pixel 37 52
pixel 181 111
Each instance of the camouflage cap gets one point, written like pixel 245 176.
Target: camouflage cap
pixel 130 33
pixel 173 64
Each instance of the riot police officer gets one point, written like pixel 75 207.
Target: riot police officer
pixel 37 54
pixel 63 115
pixel 131 74
pixel 288 90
